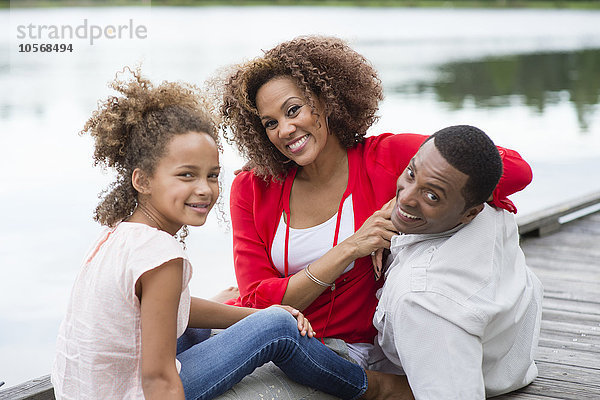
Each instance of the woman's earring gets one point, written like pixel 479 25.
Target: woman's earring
pixel 327 124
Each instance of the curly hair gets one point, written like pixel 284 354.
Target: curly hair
pixel 132 131
pixel 322 67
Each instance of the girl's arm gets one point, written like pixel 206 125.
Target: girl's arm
pixel 159 291
pixel 210 314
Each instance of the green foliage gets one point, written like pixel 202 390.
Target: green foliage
pixel 537 80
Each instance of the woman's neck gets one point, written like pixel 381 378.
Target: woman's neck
pixel 330 164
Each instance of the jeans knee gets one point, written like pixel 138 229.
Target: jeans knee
pixel 279 321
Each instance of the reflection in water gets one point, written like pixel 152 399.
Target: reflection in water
pixel 539 79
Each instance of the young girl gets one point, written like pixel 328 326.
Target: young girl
pixel 130 301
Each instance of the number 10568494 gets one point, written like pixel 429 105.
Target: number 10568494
pixel 45 48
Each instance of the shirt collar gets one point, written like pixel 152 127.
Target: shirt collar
pixel 407 239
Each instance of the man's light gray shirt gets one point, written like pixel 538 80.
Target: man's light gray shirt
pixel 460 311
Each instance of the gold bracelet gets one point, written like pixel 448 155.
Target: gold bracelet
pixel 317 280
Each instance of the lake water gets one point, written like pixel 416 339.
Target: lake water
pixel 529 78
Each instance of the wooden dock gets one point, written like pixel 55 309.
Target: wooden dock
pixel 562 246
pixel 567 262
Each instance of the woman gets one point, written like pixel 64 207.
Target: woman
pixel 306 218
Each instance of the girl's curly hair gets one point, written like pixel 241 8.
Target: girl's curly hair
pixel 323 67
pixel 132 131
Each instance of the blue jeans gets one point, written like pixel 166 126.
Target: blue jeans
pixel 211 366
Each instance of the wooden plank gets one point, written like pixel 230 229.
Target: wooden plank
pixel 562 390
pixel 568 332
pixel 548 220
pixel 35 389
pixel 578 318
pixel 558 303
pixel 568 296
pixel 569 357
pixel 569 289
pixel 582 253
pixel 568 345
pixel 524 396
pixel 561 281
pixel 543 388
pixel 572 340
pixel 566 373
pixel 583 248
pixel 564 376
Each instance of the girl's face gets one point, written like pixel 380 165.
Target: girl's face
pixel 289 122
pixel 185 184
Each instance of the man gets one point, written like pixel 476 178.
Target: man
pixel 460 311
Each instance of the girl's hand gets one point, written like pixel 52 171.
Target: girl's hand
pixel 303 325
pixel 375 234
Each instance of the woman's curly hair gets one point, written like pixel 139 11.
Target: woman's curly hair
pixel 132 131
pixel 324 67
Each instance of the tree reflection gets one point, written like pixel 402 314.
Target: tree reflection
pixel 536 79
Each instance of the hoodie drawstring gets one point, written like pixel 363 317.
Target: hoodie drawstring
pixel 335 242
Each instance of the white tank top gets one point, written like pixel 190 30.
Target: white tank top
pixel 309 244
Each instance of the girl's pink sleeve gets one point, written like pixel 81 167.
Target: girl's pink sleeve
pixel 260 284
pixel 515 177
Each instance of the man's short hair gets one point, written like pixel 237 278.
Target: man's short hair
pixel 472 152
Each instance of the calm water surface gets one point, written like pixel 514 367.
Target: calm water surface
pixel 530 79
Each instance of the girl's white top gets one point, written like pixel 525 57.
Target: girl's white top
pixel 98 350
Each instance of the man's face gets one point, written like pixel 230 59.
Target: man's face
pixel 428 195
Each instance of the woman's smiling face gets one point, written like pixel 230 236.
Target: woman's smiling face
pixel 289 121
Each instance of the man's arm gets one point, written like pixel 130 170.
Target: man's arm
pixel 441 359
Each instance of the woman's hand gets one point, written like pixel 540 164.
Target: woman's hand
pixel 380 262
pixel 377 260
pixel 375 234
pixel 303 325
pixel 378 257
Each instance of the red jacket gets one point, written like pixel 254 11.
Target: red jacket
pixel 374 167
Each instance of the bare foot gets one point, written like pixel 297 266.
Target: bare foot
pixel 383 386
pixel 231 292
